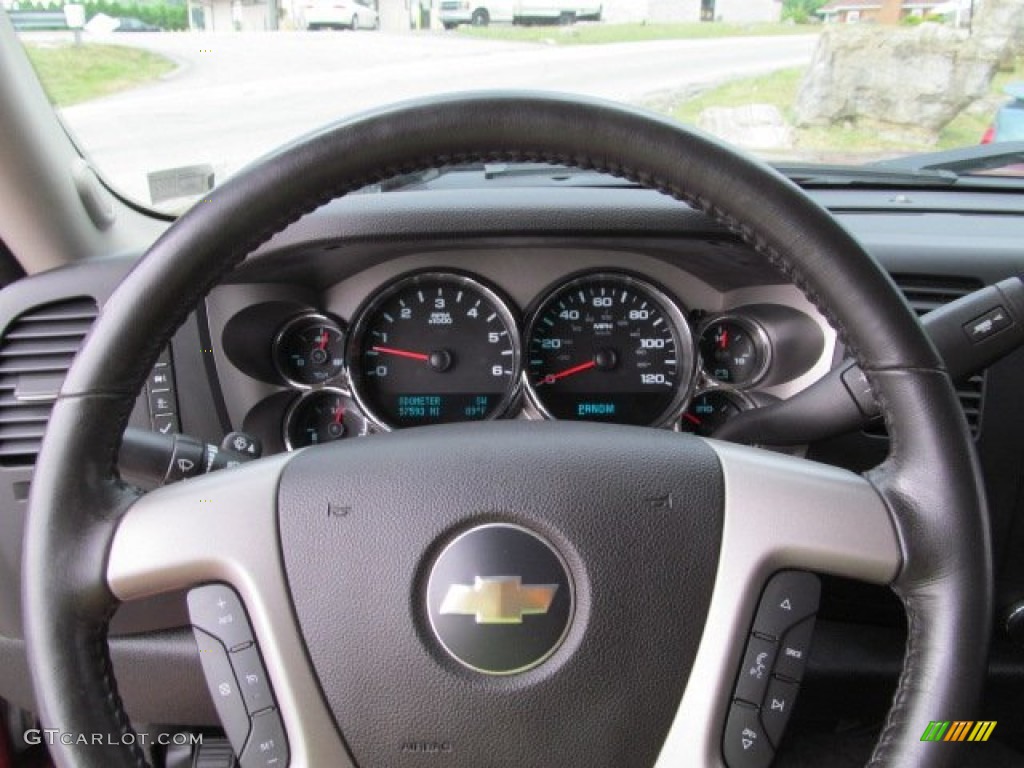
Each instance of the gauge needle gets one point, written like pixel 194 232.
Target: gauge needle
pixel 324 338
pixel 402 353
pixel 339 414
pixel 551 378
pixel 723 340
pixel 691 418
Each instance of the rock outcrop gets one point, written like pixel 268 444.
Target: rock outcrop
pixel 911 78
pixel 753 126
pixel 999 27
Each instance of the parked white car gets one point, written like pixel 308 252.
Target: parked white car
pixel 480 13
pixel 339 14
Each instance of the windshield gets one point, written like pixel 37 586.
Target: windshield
pixel 170 97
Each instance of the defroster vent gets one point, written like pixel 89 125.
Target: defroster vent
pixel 927 292
pixel 35 354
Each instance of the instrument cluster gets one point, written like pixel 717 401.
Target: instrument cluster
pixel 442 346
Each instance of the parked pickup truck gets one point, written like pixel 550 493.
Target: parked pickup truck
pixel 480 13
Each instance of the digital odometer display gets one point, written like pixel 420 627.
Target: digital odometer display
pixel 434 348
pixel 609 347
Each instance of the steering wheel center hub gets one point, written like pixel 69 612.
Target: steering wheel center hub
pixel 486 574
pixel 500 599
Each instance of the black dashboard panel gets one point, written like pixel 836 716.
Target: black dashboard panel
pixel 524 242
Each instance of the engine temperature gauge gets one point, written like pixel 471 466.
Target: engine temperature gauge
pixel 735 350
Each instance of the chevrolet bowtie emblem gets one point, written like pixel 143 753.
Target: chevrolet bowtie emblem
pixel 498 599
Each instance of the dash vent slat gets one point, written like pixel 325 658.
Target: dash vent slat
pixel 927 292
pixel 35 354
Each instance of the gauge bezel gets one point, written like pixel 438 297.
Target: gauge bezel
pixel 762 342
pixel 371 305
pixel 675 314
pixel 745 402
pixel 289 325
pixel 293 407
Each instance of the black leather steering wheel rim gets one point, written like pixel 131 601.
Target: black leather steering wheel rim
pixel 930 479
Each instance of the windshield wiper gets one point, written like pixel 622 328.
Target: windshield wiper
pixel 960 162
pixel 518 170
pixel 865 176
pixel 406 180
pixel 473 175
pixel 891 173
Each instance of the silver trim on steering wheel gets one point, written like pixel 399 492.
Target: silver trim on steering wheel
pixel 223 528
pixel 780 512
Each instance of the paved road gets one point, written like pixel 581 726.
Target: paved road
pixel 238 96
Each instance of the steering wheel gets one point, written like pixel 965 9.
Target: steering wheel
pixel 647 549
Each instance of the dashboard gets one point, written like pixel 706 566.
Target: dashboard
pixel 529 333
pixel 290 348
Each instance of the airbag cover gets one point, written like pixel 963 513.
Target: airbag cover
pixel 635 516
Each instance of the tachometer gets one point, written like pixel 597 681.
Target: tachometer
pixel 609 347
pixel 434 348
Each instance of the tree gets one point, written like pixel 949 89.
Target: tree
pixel 801 11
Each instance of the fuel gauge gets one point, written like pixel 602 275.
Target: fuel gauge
pixel 735 350
pixel 322 416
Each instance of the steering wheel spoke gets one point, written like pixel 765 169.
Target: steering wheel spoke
pixel 222 528
pixel 781 513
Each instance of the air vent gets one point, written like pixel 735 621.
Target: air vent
pixel 35 354
pixel 925 293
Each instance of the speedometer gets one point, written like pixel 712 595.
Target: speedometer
pixel 434 348
pixel 609 347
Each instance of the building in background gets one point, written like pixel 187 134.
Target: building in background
pixel 398 15
pixel 664 11
pixel 880 11
pixel 235 15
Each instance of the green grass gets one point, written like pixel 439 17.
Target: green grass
pixel 74 74
pixel 967 128
pixel 780 89
pixel 598 34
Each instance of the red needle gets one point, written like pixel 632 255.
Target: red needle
pixel 691 418
pixel 339 414
pixel 723 340
pixel 551 378
pixel 402 353
pixel 324 338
